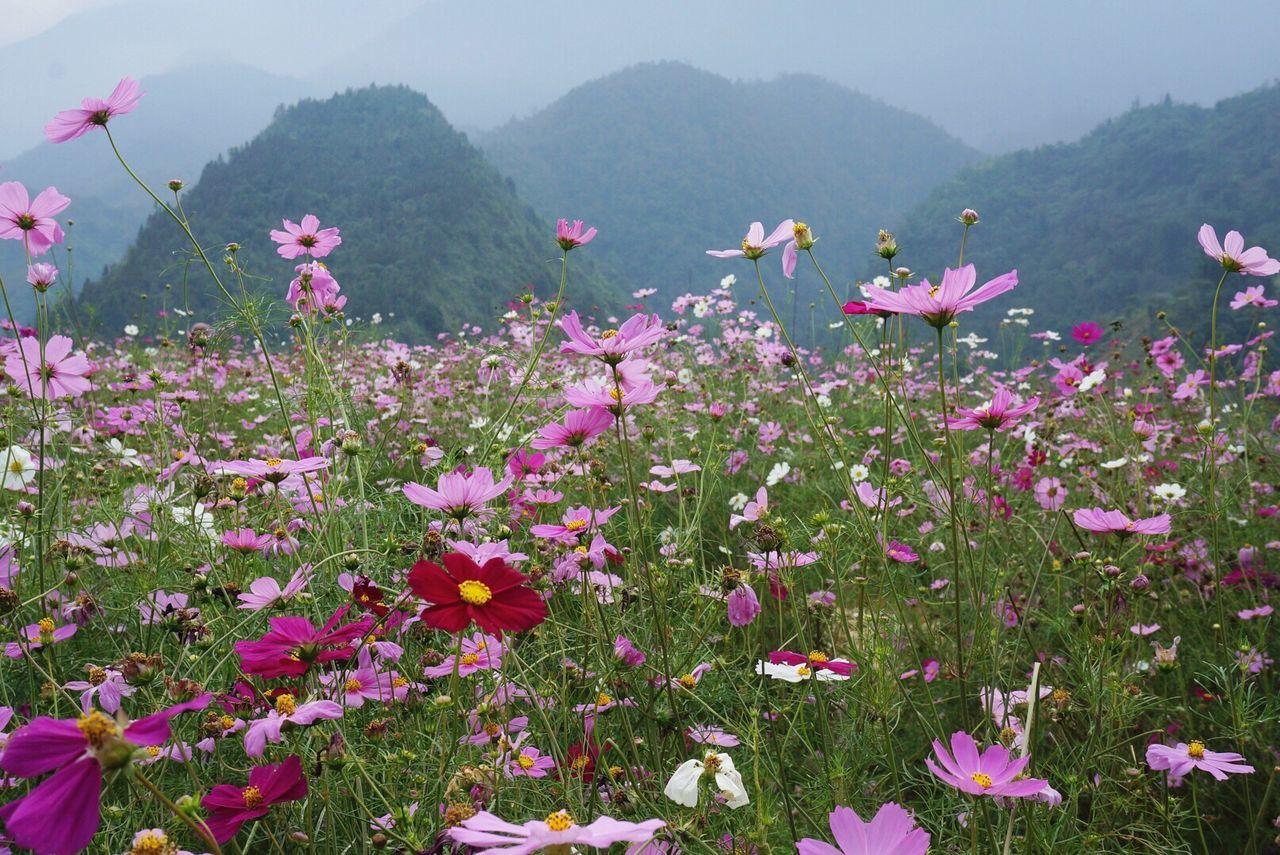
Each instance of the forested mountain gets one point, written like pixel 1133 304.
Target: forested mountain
pixel 1105 228
pixel 670 161
pixel 432 233
pixel 186 119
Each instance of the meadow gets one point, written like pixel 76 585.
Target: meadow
pixel 685 579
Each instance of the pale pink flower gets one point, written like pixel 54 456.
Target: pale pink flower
pixel 1232 255
pixel 31 221
pixel 938 305
pixel 94 112
pixel 755 244
pixel 305 239
pixel 1115 522
pixel 1183 757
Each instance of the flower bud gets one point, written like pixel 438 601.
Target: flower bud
pixel 175 184
pixel 969 217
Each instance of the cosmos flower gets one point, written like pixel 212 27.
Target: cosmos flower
pixel 1086 333
pixel 612 345
pixel 265 592
pixel 1115 522
pixel 755 244
pixel 459 495
pixel 1253 296
pixel 578 428
pixel 682 788
pixel 294 644
pixel 42 276
pixel 287 711
pixel 1232 255
pixel 94 112
pixel 992 773
pixel 753 511
pixel 19 468
pixel 939 304
pixel 60 374
pixel 1183 757
pixel 485 832
pixel 891 832
pixel 494 595
pixel 37 635
pixel 305 239
pixel 571 236
pixel 998 414
pixel 230 806
pixel 743 606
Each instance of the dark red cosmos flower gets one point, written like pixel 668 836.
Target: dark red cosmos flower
pixel 497 597
pixel 232 806
pixel 293 645
pixel 368 596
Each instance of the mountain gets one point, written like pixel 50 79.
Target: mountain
pixel 669 161
pixel 186 119
pixel 1105 228
pixel 432 234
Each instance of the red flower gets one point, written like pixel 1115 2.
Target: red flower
pixel 233 806
pixel 495 596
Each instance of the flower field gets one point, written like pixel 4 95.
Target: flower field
pixel 687 579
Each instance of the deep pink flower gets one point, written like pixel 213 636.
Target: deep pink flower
pixel 1087 332
pixel 578 428
pixel 245 540
pixel 892 832
pixel 231 806
pixel 1232 255
pixel 60 374
pixel 755 244
pixel 30 221
pixel 305 239
pixel 990 774
pixel 1183 757
pixel 901 552
pixel 861 307
pixel 293 645
pixel 484 832
pixel 571 236
pixel 999 413
pixel 94 112
pixel 814 660
pixel 939 304
pixel 459 495
pixel 61 814
pixel 1115 522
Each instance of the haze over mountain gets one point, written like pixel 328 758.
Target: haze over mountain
pixel 999 75
pixel 1105 228
pixel 433 236
pixel 669 161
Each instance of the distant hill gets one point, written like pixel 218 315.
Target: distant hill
pixel 187 118
pixel 669 161
pixel 1105 228
pixel 431 231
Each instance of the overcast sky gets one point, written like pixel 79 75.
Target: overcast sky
pixel 1000 74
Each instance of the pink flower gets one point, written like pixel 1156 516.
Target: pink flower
pixel 273 469
pixel 31 221
pixel 743 605
pixel 575 523
pixel 1115 522
pixel 480 652
pixel 1250 614
pixel 755 244
pixel 231 807
pixel 990 774
pixel 294 644
pixel 266 592
pixel 611 345
pixel 891 832
pixel 94 112
pixel 999 413
pixel 752 511
pixel 59 375
pixel 62 813
pixel 306 239
pixel 245 540
pixel 1183 757
pixel 571 236
pixel 901 552
pixel 530 763
pixel 484 831
pixel 37 635
pixel 1050 493
pixel 627 653
pixel 261 731
pixel 1190 385
pixel 578 428
pixel 42 276
pixel 1232 255
pixel 1253 296
pixel 459 495
pixel 706 735
pixel 1086 333
pixel 938 305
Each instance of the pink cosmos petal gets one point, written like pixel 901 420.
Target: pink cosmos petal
pixel 61 815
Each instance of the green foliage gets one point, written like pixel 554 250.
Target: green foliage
pixel 432 233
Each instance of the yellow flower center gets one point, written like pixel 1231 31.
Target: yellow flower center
pixel 150 843
pixel 470 658
pixel 603 700
pixel 97 728
pixel 711 762
pixel 400 682
pixel 524 761
pixel 474 593
pixel 688 681
pixel 580 762
pixel 227 722
pixel 286 704
pixel 1196 750
pixel 576 525
pixel 608 334
pixel 274 462
pixel 251 796
pixel 15 466
pixel 153 750
pixel 47 626
pixel 818 656
pixel 981 779
pixel 615 393
pixel 559 821
pixel 352 685
pixel 804 671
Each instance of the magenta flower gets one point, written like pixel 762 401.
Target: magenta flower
pixel 1086 333
pixel 232 806
pixel 901 552
pixel 571 236
pixel 306 239
pixel 459 495
pixel 578 428
pixel 484 832
pixel 612 345
pixel 1232 255
pixel 992 773
pixel 891 832
pixel 94 112
pixel 1001 412
pixel 1115 522
pixel 245 540
pixel 61 814
pixel 60 374
pixel 939 304
pixel 1183 757
pixel 862 307
pixel 755 244
pixel 1251 296
pixel 743 606
pixel 293 645
pixel 627 653
pixel 31 221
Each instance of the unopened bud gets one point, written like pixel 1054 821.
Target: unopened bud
pixel 175 184
pixel 969 216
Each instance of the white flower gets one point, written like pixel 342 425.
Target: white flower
pixel 738 501
pixel 1092 379
pixel 972 340
pixel 376 318
pixel 683 786
pixel 19 467
pixel 728 281
pixel 859 473
pixel 131 329
pixel 797 673
pixel 197 516
pixel 1051 335
pixel 764 332
pixel 777 473
pixel 1169 492
pixel 1114 464
pixel 684 376
pixel 124 456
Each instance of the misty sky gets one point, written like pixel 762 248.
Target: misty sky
pixel 1000 75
